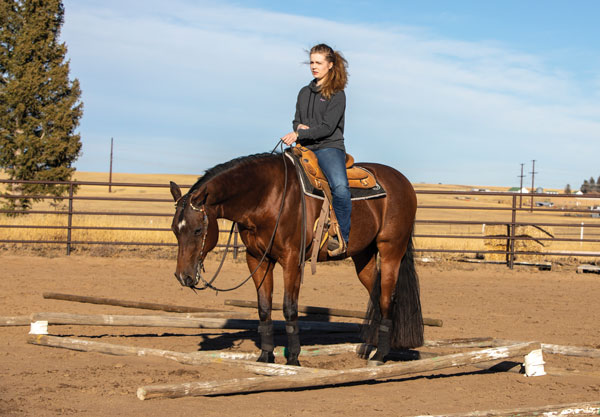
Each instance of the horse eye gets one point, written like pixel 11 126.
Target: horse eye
pixel 198 232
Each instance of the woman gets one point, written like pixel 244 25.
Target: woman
pixel 319 125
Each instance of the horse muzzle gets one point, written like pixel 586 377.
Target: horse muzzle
pixel 186 280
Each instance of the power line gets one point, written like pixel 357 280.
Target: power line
pixel 533 172
pixel 521 187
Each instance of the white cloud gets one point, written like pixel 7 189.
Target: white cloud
pixel 222 79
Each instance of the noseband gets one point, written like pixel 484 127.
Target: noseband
pixel 200 265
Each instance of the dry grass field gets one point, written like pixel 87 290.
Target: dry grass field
pixel 481 208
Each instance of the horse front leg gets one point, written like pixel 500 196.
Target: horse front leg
pixel 291 277
pixel 263 280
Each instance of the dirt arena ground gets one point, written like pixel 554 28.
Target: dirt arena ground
pixel 558 307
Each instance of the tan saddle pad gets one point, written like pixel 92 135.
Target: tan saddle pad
pixel 357 177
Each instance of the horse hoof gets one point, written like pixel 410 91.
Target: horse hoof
pixel 266 357
pixel 293 362
pixel 372 363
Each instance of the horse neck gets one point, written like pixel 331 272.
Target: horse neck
pixel 239 192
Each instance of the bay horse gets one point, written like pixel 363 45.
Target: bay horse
pixel 262 194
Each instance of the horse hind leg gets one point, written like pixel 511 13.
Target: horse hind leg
pixel 370 276
pixel 395 302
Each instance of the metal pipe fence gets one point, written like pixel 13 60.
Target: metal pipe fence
pixel 435 222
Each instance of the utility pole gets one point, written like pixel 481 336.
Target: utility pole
pixel 110 170
pixel 521 188
pixel 533 172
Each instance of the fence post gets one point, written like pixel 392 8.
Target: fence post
pixel 70 218
pixel 511 253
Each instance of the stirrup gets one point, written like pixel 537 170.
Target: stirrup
pixel 341 247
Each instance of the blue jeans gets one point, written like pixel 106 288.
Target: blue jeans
pixel 333 163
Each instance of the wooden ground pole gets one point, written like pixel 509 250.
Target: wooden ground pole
pixel 184 322
pixel 262 383
pixel 325 311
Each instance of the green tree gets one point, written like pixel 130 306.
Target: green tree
pixel 585 187
pixel 568 189
pixel 40 107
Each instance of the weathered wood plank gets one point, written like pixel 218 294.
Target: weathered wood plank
pixel 585 352
pixel 326 311
pixel 193 358
pixel 136 304
pixel 580 409
pixel 245 385
pixel 182 322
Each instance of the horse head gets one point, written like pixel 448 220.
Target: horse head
pixel 195 226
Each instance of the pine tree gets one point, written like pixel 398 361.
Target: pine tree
pixel 585 187
pixel 39 105
pixel 568 189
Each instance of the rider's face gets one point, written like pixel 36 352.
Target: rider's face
pixel 319 66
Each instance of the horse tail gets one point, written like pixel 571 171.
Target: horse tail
pixel 407 318
pixel 405 309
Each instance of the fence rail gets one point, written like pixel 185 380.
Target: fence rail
pixel 475 208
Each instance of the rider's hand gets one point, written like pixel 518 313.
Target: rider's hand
pixel 290 138
pixel 301 126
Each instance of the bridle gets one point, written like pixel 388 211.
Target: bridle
pixel 205 221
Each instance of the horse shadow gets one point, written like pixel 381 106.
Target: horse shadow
pixel 219 341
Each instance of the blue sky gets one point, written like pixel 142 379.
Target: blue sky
pixel 453 92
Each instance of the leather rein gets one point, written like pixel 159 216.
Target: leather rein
pixel 200 264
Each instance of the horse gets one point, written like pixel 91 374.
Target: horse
pixel 262 194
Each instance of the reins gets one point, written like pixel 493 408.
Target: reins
pixel 200 263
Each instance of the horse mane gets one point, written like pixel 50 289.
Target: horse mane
pixel 217 170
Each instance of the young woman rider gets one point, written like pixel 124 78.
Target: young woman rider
pixel 319 125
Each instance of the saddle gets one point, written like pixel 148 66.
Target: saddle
pixel 357 177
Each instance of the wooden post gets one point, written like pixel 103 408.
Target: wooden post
pixel 110 169
pixel 244 385
pixel 184 322
pixel 326 311
pixel 70 218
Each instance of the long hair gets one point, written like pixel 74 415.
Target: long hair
pixel 337 77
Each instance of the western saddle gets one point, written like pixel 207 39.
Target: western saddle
pixel 357 177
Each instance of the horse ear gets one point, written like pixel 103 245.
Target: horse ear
pixel 175 191
pixel 199 198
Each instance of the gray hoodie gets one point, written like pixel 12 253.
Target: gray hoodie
pixel 324 117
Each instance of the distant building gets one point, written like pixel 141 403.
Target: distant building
pixel 518 190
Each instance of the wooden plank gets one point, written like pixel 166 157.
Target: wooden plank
pixel 15 321
pixel 559 349
pixel 193 358
pixel 461 342
pixel 245 385
pixel 580 409
pixel 183 322
pixel 571 350
pixel 585 268
pixel 325 311
pixel 128 304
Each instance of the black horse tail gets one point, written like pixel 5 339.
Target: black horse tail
pixel 405 309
